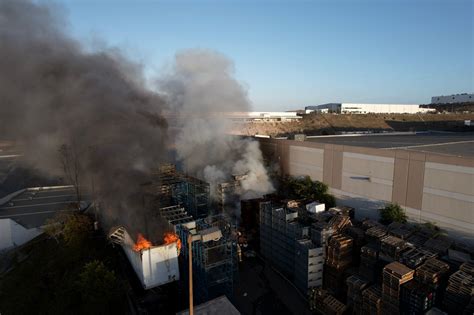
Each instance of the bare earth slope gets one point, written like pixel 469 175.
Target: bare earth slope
pixel 317 124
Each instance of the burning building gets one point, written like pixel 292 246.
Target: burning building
pixel 178 206
pixel 154 265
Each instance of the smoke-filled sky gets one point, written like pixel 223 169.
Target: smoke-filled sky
pixel 294 53
pixel 53 92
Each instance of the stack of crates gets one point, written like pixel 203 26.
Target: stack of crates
pixel 338 222
pixel 369 255
pixel 320 233
pixel 460 289
pixel 391 247
pixel 416 298
pixel 372 300
pixel 439 245
pixel 355 286
pixel 368 223
pixel 375 234
pixel 338 259
pixel 339 251
pixel 394 275
pixel 433 274
pixel 358 235
pixel 322 302
pixel 415 257
pixel 400 230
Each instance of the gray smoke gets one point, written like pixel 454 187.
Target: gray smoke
pixel 202 90
pixel 53 92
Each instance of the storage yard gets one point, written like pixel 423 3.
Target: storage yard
pixel 349 266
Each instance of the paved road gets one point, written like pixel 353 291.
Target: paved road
pixel 32 208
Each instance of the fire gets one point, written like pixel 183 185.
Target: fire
pixel 142 243
pixel 171 238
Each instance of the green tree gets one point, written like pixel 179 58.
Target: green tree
pixel 77 228
pixel 392 213
pixel 305 188
pixel 99 288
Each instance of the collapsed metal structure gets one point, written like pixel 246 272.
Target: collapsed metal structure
pixel 184 203
pixel 172 188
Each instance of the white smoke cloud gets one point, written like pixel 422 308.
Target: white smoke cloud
pixel 200 89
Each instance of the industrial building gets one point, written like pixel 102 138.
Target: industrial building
pixel 262 116
pixel 430 175
pixel 452 99
pixel 360 108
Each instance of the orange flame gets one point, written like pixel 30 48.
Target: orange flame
pixel 142 243
pixel 171 238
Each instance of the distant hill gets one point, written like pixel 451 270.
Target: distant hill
pixel 320 124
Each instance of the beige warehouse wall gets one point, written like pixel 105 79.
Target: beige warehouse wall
pixel 368 175
pixel 306 161
pixel 432 187
pixel 448 194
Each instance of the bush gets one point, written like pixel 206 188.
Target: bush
pixel 392 213
pixel 99 288
pixel 307 189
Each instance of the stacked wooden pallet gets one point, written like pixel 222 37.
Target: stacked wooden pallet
pixel 367 224
pixel 374 234
pixel 432 272
pixel 439 244
pixel 372 300
pixel 394 275
pixel 400 230
pixel 322 302
pixel 416 298
pixel 320 233
pixel 460 289
pixel 338 222
pixel 415 257
pixel 355 285
pixel 339 251
pixel 392 246
pixel 369 255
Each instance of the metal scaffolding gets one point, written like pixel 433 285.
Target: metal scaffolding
pixel 172 188
pixel 214 256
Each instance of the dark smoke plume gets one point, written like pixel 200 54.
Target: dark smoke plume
pixel 53 92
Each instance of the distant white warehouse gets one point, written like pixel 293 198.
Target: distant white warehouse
pixel 359 108
pixel 262 116
pixel 455 98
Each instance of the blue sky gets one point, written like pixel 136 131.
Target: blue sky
pixel 295 53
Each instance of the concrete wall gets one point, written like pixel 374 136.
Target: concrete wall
pixel 431 187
